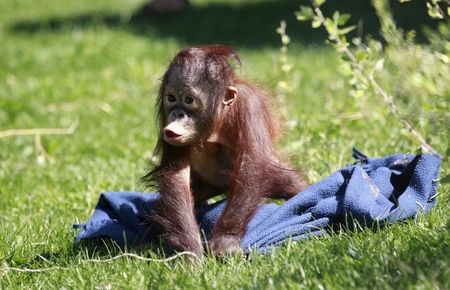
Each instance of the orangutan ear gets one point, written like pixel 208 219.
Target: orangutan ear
pixel 230 97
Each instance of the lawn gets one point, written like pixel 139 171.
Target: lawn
pixel 97 64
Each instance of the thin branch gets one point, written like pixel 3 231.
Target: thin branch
pixel 6 268
pixel 186 253
pixel 388 99
pixel 39 131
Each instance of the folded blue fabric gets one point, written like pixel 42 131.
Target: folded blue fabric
pixel 387 190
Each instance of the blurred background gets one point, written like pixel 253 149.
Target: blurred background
pixel 94 66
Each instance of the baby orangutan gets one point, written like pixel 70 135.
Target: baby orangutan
pixel 216 136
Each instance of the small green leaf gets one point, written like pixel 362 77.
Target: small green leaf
pixel 331 27
pixel 305 14
pixel 336 16
pixel 344 18
pixel 434 11
pixel 319 2
pixel 360 54
pixel 285 39
pixel 316 23
pixel 356 41
pixel 346 30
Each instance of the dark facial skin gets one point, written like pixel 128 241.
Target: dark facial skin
pixel 183 107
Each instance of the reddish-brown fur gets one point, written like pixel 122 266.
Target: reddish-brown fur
pixel 235 156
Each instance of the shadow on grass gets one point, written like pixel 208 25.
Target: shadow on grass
pixel 249 25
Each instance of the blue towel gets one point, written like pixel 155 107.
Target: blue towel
pixel 387 190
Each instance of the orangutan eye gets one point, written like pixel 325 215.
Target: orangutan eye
pixel 189 100
pixel 171 98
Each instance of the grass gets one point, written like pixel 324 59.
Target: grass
pixel 98 63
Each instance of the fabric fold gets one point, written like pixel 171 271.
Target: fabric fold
pixel 387 189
